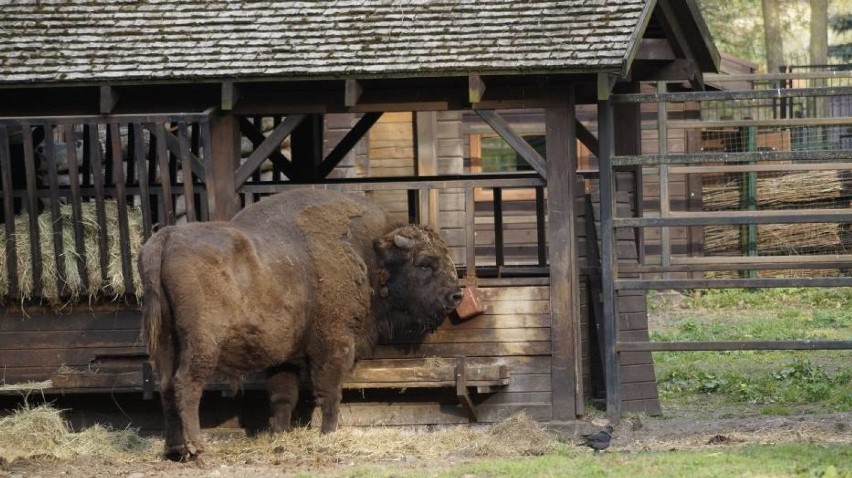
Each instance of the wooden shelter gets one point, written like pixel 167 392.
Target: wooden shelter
pixel 197 108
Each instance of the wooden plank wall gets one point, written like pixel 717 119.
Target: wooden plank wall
pixel 514 331
pixel 107 348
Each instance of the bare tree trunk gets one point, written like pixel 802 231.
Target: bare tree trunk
pixel 772 36
pixel 819 32
pixel 818 50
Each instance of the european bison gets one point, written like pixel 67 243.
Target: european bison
pixel 319 275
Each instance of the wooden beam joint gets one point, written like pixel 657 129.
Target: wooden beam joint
pixel 475 88
pixel 108 99
pixel 352 93
pixel 230 95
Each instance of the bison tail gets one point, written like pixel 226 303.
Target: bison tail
pixel 150 263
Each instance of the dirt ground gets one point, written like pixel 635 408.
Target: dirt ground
pixel 678 431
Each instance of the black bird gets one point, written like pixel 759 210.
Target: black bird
pixel 598 441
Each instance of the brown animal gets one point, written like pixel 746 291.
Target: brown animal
pixel 319 275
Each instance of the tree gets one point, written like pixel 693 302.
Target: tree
pixel 772 35
pixel 841 24
pixel 818 48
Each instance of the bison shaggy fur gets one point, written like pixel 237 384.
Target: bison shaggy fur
pixel 314 275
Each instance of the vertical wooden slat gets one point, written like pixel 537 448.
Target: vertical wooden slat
pixel 470 230
pixel 76 202
pixel 165 174
pixel 142 175
pixel 561 143
pixel 58 249
pixel 499 253
pixel 121 206
pixel 32 207
pixel 426 138
pixel 665 200
pixel 200 197
pixel 226 206
pixel 100 206
pixel 541 232
pixel 413 199
pixel 186 171
pixel 9 212
pixel 85 165
pixel 609 259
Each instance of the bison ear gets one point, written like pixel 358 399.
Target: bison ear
pixel 405 243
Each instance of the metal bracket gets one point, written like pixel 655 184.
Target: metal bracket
pixel 462 391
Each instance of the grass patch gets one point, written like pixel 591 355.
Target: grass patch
pixel 792 459
pixel 777 382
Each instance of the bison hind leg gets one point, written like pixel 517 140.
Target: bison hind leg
pixel 282 382
pixel 327 375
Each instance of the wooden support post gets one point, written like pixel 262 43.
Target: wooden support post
pixel 426 124
pixel 222 163
pixel 609 259
pixel 562 187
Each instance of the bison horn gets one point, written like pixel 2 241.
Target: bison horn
pixel 403 242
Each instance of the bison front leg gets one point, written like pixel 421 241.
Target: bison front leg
pixel 327 375
pixel 282 382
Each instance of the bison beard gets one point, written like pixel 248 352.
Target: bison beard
pixel 315 275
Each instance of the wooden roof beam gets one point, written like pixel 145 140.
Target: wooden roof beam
pixel 678 39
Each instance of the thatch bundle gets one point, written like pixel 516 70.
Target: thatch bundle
pixel 69 286
pixel 779 239
pixel 813 189
pixel 784 191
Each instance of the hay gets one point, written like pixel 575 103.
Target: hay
pixel 815 189
pixel 785 191
pixel 73 288
pixel 519 435
pixel 40 432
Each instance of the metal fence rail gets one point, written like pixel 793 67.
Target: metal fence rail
pixel 743 161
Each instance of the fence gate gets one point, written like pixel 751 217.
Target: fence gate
pixel 770 133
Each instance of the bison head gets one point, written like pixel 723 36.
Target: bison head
pixel 418 281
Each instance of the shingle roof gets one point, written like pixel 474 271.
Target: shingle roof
pixel 102 41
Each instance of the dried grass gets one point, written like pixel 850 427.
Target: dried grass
pixel 40 432
pixel 517 436
pixel 818 189
pixel 782 191
pixel 72 289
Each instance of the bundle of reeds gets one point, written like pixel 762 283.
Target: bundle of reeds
pixel 813 189
pixel 780 239
pixel 784 191
pixel 63 283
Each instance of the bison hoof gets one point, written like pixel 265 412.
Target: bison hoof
pixel 183 453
